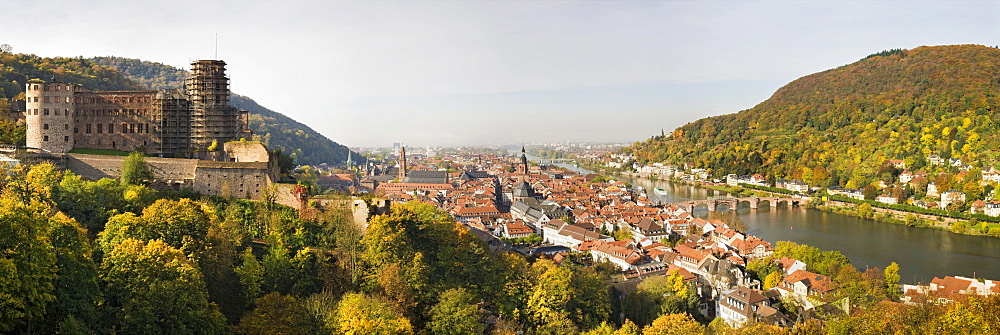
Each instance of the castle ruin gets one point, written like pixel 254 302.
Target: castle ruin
pixel 170 123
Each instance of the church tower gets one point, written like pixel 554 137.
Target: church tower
pixel 524 162
pixel 402 163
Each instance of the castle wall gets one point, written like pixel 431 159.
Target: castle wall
pixel 48 116
pixel 230 179
pixel 246 151
pixel 95 167
pixel 117 120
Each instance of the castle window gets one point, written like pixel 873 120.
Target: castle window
pixel 58 87
pixel 46 99
pixel 45 138
pixel 76 130
pixel 67 98
pixel 36 88
pixel 111 128
pixel 46 111
pixel 100 128
pixel 65 138
pixel 147 128
pixel 56 110
pixel 66 126
pixel 46 87
pixel 45 126
pixel 88 128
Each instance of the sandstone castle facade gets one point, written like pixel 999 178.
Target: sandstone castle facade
pixel 171 123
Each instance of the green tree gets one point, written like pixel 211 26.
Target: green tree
pixel 135 170
pixel 77 291
pixel 866 211
pixel 568 294
pixel 251 275
pixel 892 281
pixel 433 253
pixel 277 314
pixel 153 288
pixel 456 313
pixel 27 263
pixel 182 224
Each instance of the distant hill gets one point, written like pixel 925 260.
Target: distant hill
pixel 844 123
pixel 278 131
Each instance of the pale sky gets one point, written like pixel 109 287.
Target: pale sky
pixel 370 73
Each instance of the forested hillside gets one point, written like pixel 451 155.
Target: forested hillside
pixel 278 131
pixel 846 122
pixel 17 69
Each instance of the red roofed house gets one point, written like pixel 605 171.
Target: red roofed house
pixel 516 230
pixel 753 247
pixel 625 258
pixel 464 214
pixel 949 288
pixel 742 304
pixel 803 284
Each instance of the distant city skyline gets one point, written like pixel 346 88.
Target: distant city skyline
pixel 369 74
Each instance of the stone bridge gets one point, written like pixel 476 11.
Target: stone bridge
pixel 544 161
pixel 754 202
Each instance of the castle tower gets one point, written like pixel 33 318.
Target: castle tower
pixel 212 118
pixel 49 109
pixel 402 163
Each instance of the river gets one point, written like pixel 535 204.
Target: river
pixel 922 253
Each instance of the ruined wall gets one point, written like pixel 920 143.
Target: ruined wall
pixel 248 151
pixel 117 120
pixel 95 167
pixel 284 194
pixel 230 179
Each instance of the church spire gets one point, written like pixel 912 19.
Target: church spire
pixel 524 162
pixel 402 163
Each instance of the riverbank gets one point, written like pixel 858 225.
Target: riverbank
pixel 921 253
pixel 885 215
pixel 910 219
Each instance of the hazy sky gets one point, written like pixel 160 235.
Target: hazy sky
pixel 370 73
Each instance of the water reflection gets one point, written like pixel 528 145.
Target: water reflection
pixel 922 253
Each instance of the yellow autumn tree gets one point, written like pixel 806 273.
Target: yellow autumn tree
pixel 360 314
pixel 674 324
